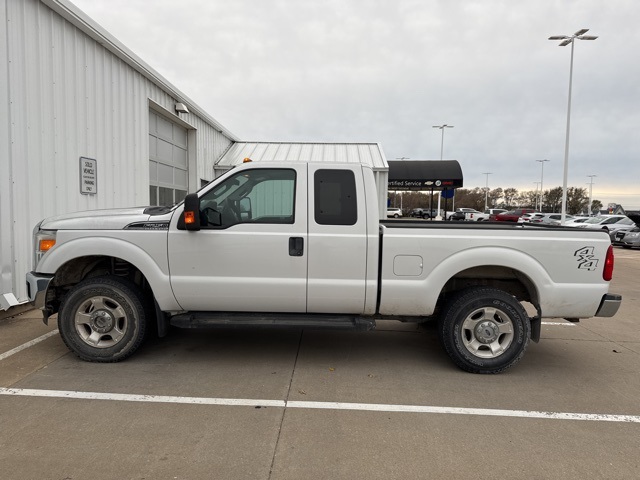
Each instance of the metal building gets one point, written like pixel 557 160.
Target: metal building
pixel 85 124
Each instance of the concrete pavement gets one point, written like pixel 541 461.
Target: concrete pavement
pixel 589 368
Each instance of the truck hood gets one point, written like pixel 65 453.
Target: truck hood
pixel 111 219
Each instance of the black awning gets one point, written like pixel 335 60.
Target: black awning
pixel 424 175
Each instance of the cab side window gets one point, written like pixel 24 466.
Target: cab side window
pixel 251 196
pixel 335 197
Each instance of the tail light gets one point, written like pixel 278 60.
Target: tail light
pixel 607 273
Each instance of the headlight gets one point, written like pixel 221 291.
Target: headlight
pixel 43 241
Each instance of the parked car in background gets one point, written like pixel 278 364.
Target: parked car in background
pixel 553 219
pixel 487 214
pixel 605 222
pixel 628 238
pixel 623 225
pixel 529 217
pixel 424 213
pixel 472 215
pixel 394 212
pixel 575 221
pixel 494 211
pixel 464 214
pixel 513 215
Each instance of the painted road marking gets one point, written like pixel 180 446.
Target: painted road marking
pixel 369 407
pixel 28 344
pixel 560 324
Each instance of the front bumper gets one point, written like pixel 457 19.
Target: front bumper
pixel 37 286
pixel 609 305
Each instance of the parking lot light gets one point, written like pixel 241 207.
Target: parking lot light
pixel 566 40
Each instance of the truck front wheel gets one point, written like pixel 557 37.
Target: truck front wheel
pixel 102 319
pixel 484 330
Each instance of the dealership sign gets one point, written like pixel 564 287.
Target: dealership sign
pixel 424 184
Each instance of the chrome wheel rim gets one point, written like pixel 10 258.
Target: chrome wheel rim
pixel 101 322
pixel 487 332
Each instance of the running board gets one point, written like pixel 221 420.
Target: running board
pixel 302 320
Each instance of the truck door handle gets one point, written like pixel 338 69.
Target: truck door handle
pixel 296 246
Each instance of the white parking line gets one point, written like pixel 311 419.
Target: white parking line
pixel 28 344
pixel 370 407
pixel 560 324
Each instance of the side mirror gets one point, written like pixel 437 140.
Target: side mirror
pixel 190 218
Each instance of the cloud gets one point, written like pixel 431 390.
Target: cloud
pixel 373 70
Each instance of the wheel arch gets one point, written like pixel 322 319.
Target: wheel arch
pixel 512 271
pixel 81 258
pixel 503 277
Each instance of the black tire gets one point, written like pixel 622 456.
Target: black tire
pixel 426 216
pixel 103 319
pixel 484 330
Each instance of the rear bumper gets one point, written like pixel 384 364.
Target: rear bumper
pixel 37 286
pixel 609 305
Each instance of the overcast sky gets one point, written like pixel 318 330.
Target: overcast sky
pixel 388 70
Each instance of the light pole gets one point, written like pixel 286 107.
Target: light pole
pixel 536 196
pixel 591 192
pixel 566 40
pixel 541 178
pixel 401 158
pixel 486 190
pixel 441 127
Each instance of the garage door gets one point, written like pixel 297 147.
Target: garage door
pixel 168 170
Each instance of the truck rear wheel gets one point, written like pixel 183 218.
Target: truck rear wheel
pixel 103 319
pixel 484 330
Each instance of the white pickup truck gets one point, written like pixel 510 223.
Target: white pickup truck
pixel 301 244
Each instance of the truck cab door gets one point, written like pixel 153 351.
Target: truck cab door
pixel 337 253
pixel 250 253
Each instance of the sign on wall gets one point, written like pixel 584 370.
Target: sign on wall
pixel 88 176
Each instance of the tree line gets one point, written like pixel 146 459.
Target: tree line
pixel 508 198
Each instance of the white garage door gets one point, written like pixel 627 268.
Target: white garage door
pixel 168 170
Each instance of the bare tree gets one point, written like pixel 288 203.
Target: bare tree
pixel 509 195
pixel 527 199
pixel 494 196
pixel 553 199
pixel 577 200
pixel 596 205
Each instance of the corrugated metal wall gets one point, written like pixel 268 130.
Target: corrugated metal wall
pixel 64 96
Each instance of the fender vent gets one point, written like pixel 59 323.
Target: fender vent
pixel 121 268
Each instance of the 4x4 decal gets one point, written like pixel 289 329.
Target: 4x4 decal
pixel 586 260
